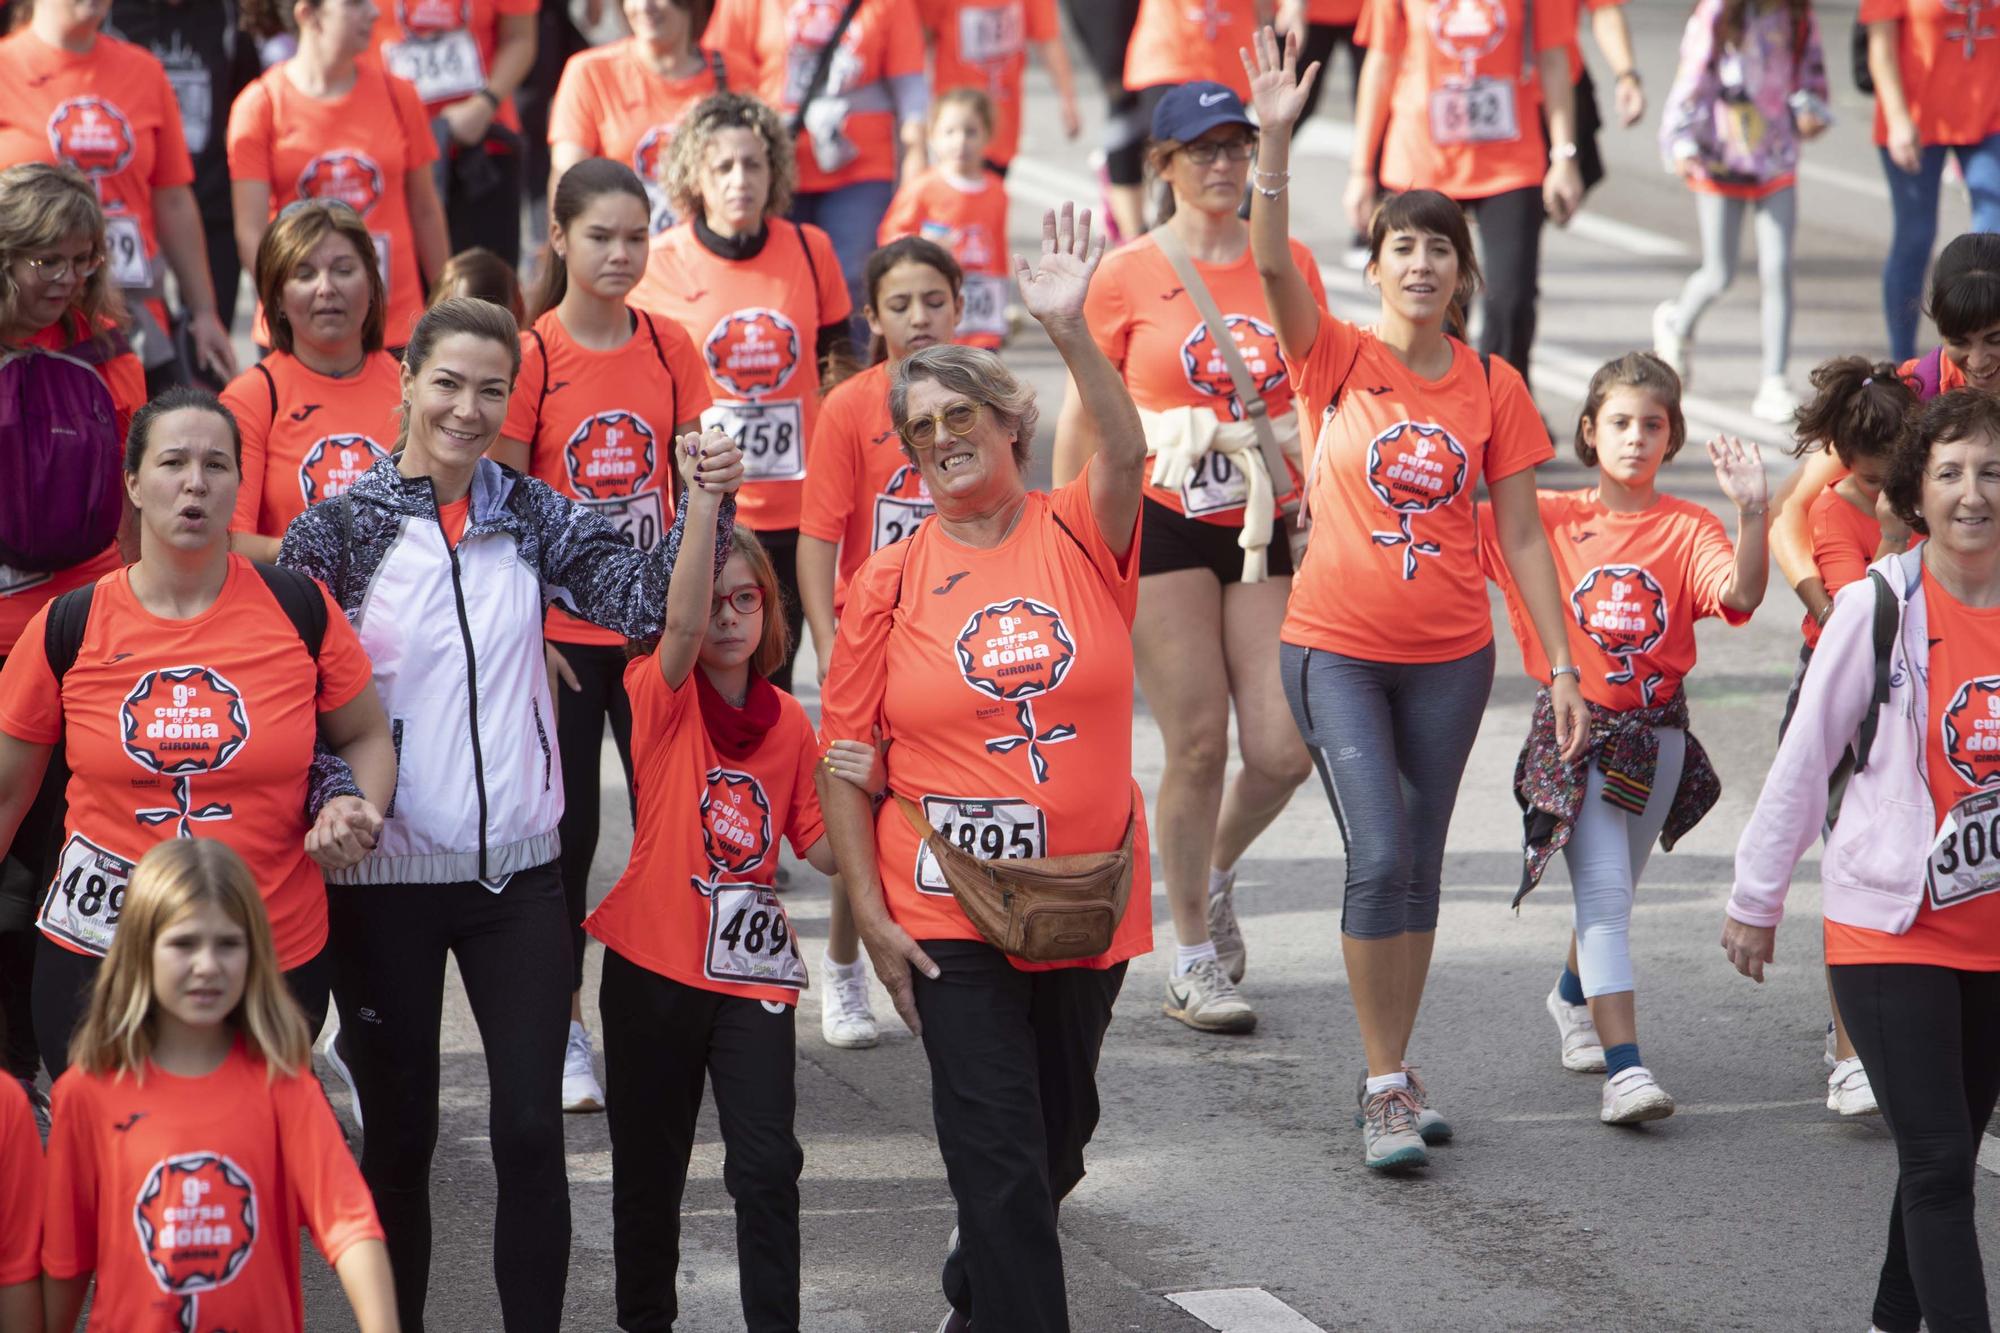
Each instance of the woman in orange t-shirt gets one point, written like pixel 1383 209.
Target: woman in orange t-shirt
pixel 763 300
pixel 1212 581
pixel 1447 101
pixel 983 45
pixel 327 124
pixel 992 651
pixel 624 100
pixel 195 702
pixel 961 203
pixel 604 391
pixel 1387 646
pixel 191 1123
pixel 1175 45
pixel 321 408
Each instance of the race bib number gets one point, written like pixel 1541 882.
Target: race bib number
pixel 750 940
pixel 381 239
pixel 1217 483
pixel 125 252
pixel 985 305
pixel 771 436
pixel 86 896
pixel 990 34
pixel 444 68
pixel 1479 112
pixel 1001 830
pixel 896 519
pixel 1965 857
pixel 637 517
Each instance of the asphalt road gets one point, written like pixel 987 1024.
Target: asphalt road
pixel 1232 1162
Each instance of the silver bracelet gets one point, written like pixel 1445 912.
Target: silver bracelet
pixel 1275 175
pixel 1272 194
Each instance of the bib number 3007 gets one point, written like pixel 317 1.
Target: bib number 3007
pixel 1965 859
pixel 87 895
pixel 750 940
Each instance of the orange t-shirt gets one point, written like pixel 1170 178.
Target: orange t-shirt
pixel 862 493
pixel 1844 542
pixel 360 147
pixel 306 436
pixel 756 323
pixel 1949 55
pixel 611 104
pixel 444 48
pixel 165 1189
pixel 1177 42
pixel 110 113
pixel 972 225
pixel 1340 13
pixel 1634 585
pixel 1961 756
pixel 1951 375
pixel 1002 679
pixel 184 728
pixel 695 903
pixel 775 44
pixel 983 44
pixel 21 1198
pixel 1394 524
pixel 1465 98
pixel 1149 327
pixel 452 518
pixel 24 592
pixel 600 426
pixel 1575 47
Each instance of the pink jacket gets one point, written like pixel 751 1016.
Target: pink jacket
pixel 1872 873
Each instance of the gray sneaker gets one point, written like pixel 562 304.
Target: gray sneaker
pixel 1205 999
pixel 1222 929
pixel 1430 1124
pixel 1389 1137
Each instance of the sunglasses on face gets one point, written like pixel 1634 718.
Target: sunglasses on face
pixel 1204 153
pixel 957 420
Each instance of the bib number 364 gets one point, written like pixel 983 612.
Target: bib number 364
pixel 87 895
pixel 1965 859
pixel 750 940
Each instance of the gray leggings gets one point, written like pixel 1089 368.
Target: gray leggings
pixel 1606 852
pixel 1390 741
pixel 1721 221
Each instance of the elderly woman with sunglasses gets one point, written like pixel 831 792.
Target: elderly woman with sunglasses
pixel 992 651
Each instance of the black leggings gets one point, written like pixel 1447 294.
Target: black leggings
pixel 1510 235
pixel 580 717
pixel 1930 1040
pixel 390 942
pixel 661 1039
pixel 1104 28
pixel 1321 39
pixel 29 866
pixel 782 544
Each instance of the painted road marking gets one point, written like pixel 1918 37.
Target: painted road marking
pixel 1989 1153
pixel 1243 1310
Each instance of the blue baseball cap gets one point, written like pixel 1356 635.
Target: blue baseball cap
pixel 1193 109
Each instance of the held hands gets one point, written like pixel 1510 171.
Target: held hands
pixel 1739 470
pixel 859 763
pixel 1054 286
pixel 344 832
pixel 1277 90
pixel 709 462
pixel 1749 948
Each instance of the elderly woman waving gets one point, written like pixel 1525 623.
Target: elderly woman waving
pixel 1002 890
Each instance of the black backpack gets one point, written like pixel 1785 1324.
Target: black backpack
pixel 304 605
pixel 1888 620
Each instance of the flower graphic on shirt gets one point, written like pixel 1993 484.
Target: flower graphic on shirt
pixel 1623 610
pixel 752 352
pixel 335 463
pixel 1208 373
pixel 1972 730
pixel 1974 27
pixel 1018 651
pixel 179 722
pixel 1414 468
pixel 610 455
pixel 91 135
pixel 353 178
pixel 196 1215
pixel 735 821
pixel 428 18
pixel 1468 30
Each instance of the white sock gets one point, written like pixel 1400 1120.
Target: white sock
pixel 843 969
pixel 1218 880
pixel 1387 1081
pixel 1186 956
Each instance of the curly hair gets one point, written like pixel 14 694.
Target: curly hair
pixel 975 373
pixel 40 208
pixel 1859 410
pixel 1962 414
pixel 681 177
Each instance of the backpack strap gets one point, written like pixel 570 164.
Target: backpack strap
pixel 659 352
pixel 1327 414
pixel 812 266
pixel 542 398
pixel 301 600
pixel 1930 374
pixel 272 386
pixel 1069 534
pixel 62 633
pixel 719 67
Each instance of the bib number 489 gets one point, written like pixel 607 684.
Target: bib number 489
pixel 750 940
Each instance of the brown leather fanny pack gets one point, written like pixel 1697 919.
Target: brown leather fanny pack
pixel 1044 909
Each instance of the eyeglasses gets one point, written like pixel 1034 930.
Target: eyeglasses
pixel 55 268
pixel 1204 152
pixel 340 208
pixel 958 419
pixel 747 601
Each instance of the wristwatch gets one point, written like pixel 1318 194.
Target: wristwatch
pixel 492 98
pixel 1571 670
pixel 1562 152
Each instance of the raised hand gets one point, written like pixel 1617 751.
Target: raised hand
pixel 1054 286
pixel 1278 90
pixel 1739 470
pixel 709 461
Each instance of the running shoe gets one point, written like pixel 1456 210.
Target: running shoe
pixel 845 1018
pixel 1775 402
pixel 1832 1056
pixel 1632 1097
pixel 336 1060
pixel 1430 1124
pixel 1581 1048
pixel 1848 1090
pixel 1389 1137
pixel 1670 345
pixel 580 1091
pixel 1225 932
pixel 1205 999
pixel 1107 216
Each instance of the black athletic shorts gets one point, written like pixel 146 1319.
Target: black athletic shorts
pixel 1169 541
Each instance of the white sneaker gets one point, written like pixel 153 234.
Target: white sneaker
pixel 1581 1048
pixel 1224 931
pixel 580 1089
pixel 1775 402
pixel 334 1061
pixel 845 1018
pixel 1205 999
pixel 1669 345
pixel 1848 1090
pixel 1632 1097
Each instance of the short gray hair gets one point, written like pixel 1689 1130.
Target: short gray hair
pixel 977 374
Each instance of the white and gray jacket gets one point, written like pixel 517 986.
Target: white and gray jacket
pixel 455 636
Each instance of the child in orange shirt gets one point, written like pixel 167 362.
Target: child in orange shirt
pixel 20 1210
pixel 189 1122
pixel 961 203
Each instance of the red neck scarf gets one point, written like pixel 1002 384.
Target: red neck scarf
pixel 737 732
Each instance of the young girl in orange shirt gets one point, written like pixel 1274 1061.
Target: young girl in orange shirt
pixel 961 203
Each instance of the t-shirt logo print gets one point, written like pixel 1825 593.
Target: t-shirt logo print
pixel 735 822
pixel 353 178
pixel 334 464
pixel 752 352
pixel 1972 731
pixel 196 1215
pixel 91 135
pixel 430 17
pixel 1414 468
pixel 1974 29
pixel 1208 373
pixel 1017 651
pixel 1623 610
pixel 1468 30
pixel 179 722
pixel 610 455
pixel 649 157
